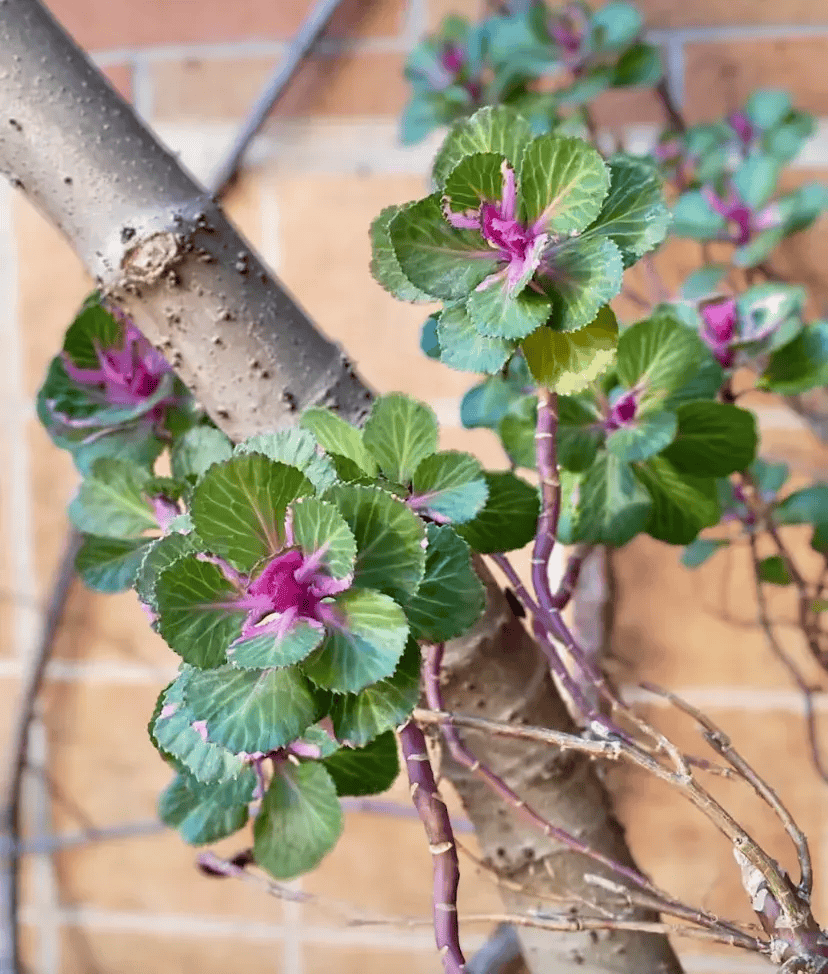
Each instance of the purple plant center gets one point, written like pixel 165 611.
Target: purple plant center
pixel 453 58
pixel 719 320
pixel 742 126
pixel 128 375
pixel 623 412
pixel 568 30
pixel 743 221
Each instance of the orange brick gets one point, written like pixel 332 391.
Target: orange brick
pixel 100 24
pixel 346 85
pixel 804 257
pixel 618 108
pixel 704 13
pixel 438 10
pixel 719 76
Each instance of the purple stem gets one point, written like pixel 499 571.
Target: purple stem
pixel 547 459
pixel 435 818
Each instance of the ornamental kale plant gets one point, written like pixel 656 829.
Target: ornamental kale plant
pixel 309 578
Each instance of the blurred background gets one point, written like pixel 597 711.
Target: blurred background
pixel 325 164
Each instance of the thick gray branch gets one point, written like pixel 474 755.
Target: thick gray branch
pixel 164 250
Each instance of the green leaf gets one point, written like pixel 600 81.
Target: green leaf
pixel 173 733
pixel 755 180
pixel 517 432
pixel 705 383
pixel 197 450
pixel 399 433
pixel 713 440
pixel 429 339
pixel 806 506
pixel 768 107
pixel 581 275
pixel 449 485
pixel 615 26
pixel 360 717
pixel 640 66
pixel 658 354
pixel 389 537
pixel 299 822
pixel 250 711
pixel 239 506
pixel 271 650
pixel 317 526
pixel 335 435
pixel 698 551
pixel 569 362
pixel 703 282
pixel 486 404
pixel 498 311
pixel 112 503
pixel 297 448
pixel 692 217
pixel 682 504
pixel 801 364
pixel 774 570
pixel 644 437
pixel 611 506
pixel 463 347
pixel 475 180
pixel 196 814
pixel 92 328
pixel 769 477
pixel 157 556
pixel 368 770
pixel 365 646
pixel 563 183
pixel 450 598
pixel 110 564
pixel 195 605
pixel 385 267
pixel 508 519
pixel 634 215
pixel 493 129
pixel 444 262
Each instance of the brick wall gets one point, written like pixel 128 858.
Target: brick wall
pixel 326 164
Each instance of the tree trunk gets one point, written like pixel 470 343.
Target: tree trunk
pixel 164 251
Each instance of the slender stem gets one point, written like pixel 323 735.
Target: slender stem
pixel 10 823
pixel 435 818
pixel 547 461
pixel 300 47
pixel 671 110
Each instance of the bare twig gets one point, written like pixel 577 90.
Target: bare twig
pixel 671 110
pixel 299 49
pixel 10 826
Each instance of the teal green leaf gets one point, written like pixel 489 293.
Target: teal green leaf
pixel 196 814
pixel 611 507
pixel 580 433
pixel 239 506
pixel 195 605
pixel 801 364
pixel 704 383
pixel 335 435
pixel 364 647
pixel 110 564
pixel 367 770
pixel 450 598
pixel 444 262
pixel 173 733
pixel 508 519
pixel 112 502
pixel 92 328
pixel 713 439
pixel 360 717
pixel 493 129
pixel 250 711
pixel 806 506
pixel 581 274
pixel 157 556
pixel 682 504
pixel 463 347
pixel 755 179
pixel 774 570
pixel 299 822
pixel 197 450
pixel 563 183
pixel 768 107
pixel 634 215
pixel 703 282
pixel 639 66
pixel 385 267
pixel 498 311
pixel 475 180
pixel 297 448
pixel 658 355
pixel 449 485
pixel 390 539
pixel 269 650
pixel 692 217
pixel 429 338
pixel 400 433
pixel 486 404
pixel 770 477
pixel 569 362
pixel 615 25
pixel 644 437
pixel 318 525
pixel 517 433
pixel 698 551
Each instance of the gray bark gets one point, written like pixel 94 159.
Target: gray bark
pixel 162 248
